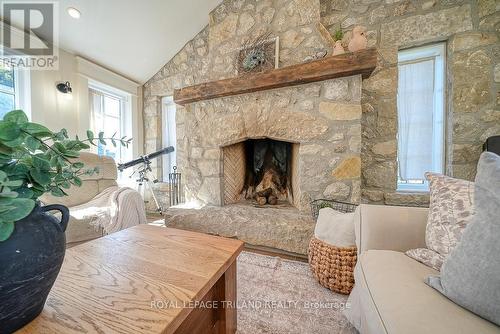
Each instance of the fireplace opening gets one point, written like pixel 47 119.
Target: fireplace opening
pixel 268 171
pixel 260 171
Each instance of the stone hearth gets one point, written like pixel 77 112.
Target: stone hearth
pixel 282 228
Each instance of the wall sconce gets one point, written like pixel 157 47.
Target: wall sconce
pixel 64 87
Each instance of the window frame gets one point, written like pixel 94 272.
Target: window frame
pixel 437 52
pixel 125 116
pixel 22 90
pixel 169 160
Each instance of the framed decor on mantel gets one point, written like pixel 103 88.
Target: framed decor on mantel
pixel 259 55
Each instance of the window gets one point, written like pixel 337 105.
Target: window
pixel 14 89
pixel 109 113
pixel 421 104
pixel 169 136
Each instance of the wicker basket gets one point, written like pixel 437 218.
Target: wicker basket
pixel 332 266
pixel 319 204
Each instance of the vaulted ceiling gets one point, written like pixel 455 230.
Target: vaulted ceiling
pixel 134 38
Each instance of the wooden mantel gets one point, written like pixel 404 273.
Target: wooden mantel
pixel 361 62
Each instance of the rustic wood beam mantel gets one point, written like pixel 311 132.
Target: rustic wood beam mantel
pixel 361 62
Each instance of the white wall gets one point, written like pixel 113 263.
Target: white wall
pixel 71 111
pixel 51 108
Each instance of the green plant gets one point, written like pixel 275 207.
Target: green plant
pixel 338 35
pixel 34 161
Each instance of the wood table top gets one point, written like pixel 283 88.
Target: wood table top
pixel 109 285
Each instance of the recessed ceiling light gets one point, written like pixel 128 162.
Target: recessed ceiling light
pixel 74 13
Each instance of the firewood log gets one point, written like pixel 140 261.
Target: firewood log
pixel 261 200
pixel 264 193
pixel 273 200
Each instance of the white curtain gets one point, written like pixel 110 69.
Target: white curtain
pixel 95 104
pixel 169 136
pixel 416 110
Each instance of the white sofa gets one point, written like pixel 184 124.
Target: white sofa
pixel 390 295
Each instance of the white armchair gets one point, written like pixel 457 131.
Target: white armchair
pixel 99 206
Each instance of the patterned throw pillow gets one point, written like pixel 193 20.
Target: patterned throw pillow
pixel 451 209
pixel 428 257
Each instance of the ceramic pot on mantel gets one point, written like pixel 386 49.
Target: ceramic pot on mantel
pixel 358 40
pixel 29 263
pixel 338 49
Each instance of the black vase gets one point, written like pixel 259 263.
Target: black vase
pixel 29 263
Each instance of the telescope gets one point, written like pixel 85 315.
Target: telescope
pixel 145 158
pixel 146 176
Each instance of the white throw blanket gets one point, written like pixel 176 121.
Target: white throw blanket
pixel 114 209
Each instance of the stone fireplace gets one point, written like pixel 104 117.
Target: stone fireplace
pixel 252 163
pixel 261 171
pixel 284 146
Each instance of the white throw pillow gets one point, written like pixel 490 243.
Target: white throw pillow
pixel 336 228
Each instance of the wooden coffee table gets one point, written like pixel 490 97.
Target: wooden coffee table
pixel 145 279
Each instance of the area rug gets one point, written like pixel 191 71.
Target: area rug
pixel 281 296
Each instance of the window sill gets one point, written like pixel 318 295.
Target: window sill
pixel 408 198
pixel 412 188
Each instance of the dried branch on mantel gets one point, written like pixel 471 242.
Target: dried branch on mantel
pixel 361 62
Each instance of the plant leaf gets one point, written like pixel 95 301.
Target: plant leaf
pixel 57 192
pixel 77 181
pixel 16 116
pixel 101 138
pixel 90 135
pixel 22 208
pixel 41 163
pixel 71 154
pixel 14 183
pixel 25 193
pixel 9 194
pixel 6 230
pixel 32 143
pixel 59 147
pixel 15 143
pixel 37 130
pixel 9 131
pixel 5 208
pixel 53 161
pixel 41 177
pixel 5 149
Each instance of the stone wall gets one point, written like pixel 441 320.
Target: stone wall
pixel 470 29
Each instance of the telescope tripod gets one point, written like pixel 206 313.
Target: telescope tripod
pixel 146 180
